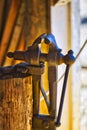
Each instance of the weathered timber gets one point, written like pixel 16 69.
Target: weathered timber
pixel 16 104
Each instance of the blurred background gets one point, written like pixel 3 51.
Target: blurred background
pixel 21 22
pixel 83 91
pixel 76 17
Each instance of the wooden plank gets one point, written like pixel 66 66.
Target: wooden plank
pixel 8 28
pixel 16 104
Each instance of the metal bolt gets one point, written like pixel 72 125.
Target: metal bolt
pixel 70 52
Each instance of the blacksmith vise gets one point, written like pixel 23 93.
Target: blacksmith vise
pixel 33 64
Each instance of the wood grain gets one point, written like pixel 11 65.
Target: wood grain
pixel 16 104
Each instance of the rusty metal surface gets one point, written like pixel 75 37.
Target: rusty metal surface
pixel 43 122
pixel 34 56
pixel 20 70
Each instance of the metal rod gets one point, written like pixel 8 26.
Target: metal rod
pixel 62 96
pixel 52 74
pixel 81 49
pixel 36 94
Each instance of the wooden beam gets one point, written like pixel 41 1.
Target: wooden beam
pixel 16 104
pixel 8 28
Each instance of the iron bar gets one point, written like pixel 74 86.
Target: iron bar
pixel 62 96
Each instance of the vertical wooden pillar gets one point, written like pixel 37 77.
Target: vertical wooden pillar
pixel 16 104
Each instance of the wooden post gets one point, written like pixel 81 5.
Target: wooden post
pixel 16 104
